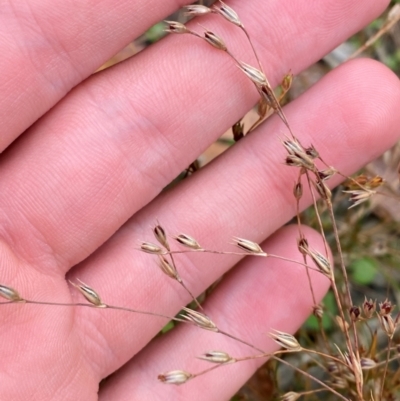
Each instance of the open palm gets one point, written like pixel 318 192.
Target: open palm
pixel 84 160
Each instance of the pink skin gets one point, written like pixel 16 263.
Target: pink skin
pixel 105 151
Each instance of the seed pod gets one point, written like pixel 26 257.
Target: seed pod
pixel 217 357
pixel 175 377
pixel 89 293
pixel 290 396
pixel 168 268
pixel 322 263
pixel 355 313
pixel 149 247
pixel 197 10
pixel 161 236
pixel 176 27
pixel 369 308
pixel 249 246
pixel 188 241
pixel 10 294
pixel 214 40
pixel 367 363
pixel 228 13
pixel 286 341
pixel 199 319
pixel 254 74
pixel 298 190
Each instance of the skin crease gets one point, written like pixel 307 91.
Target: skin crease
pixel 82 170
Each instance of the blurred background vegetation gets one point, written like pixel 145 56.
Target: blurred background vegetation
pixel 370 233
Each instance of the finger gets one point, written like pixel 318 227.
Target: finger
pixel 122 136
pixel 51 46
pixel 260 295
pixel 250 200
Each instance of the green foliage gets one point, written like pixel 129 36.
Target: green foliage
pixel 363 270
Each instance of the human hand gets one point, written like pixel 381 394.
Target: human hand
pixel 99 156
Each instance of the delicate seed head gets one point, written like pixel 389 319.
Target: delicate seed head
pixel 197 10
pixel 302 245
pixel 214 40
pixel 312 152
pixel 290 396
pixel 262 108
pixel 176 27
pixel 254 74
pixel 386 307
pixel 343 325
pixel 228 13
pixel 367 363
pixel 161 236
pixel 249 246
pixel 369 308
pixel 293 146
pixel 149 247
pixel 89 293
pixel 238 131
pixel 375 182
pixel 387 324
pixel 358 196
pixel 168 268
pixel 323 191
pixel 286 341
pixel 332 367
pixel 318 311
pixel 188 241
pixel 10 294
pixel 327 174
pixel 287 82
pixel 322 263
pixel 175 377
pixel 217 357
pixel 302 161
pixel 199 319
pixel 355 313
pixel 298 190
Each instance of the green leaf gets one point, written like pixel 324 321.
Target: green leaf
pixel 363 271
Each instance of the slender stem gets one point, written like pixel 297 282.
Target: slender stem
pixel 310 377
pixel 386 368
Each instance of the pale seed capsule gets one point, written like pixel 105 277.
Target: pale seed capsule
pixel 9 293
pixel 176 27
pixel 228 13
pixel 161 236
pixel 216 357
pixel 369 308
pixel 254 74
pixel 175 377
pixel 367 363
pixel 168 268
pixel 214 40
pixel 199 319
pixel 249 246
pixel 322 262
pixel 387 324
pixel 290 396
pixel 286 341
pixel 197 10
pixel 89 293
pixel 149 247
pixel 298 190
pixel 188 241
